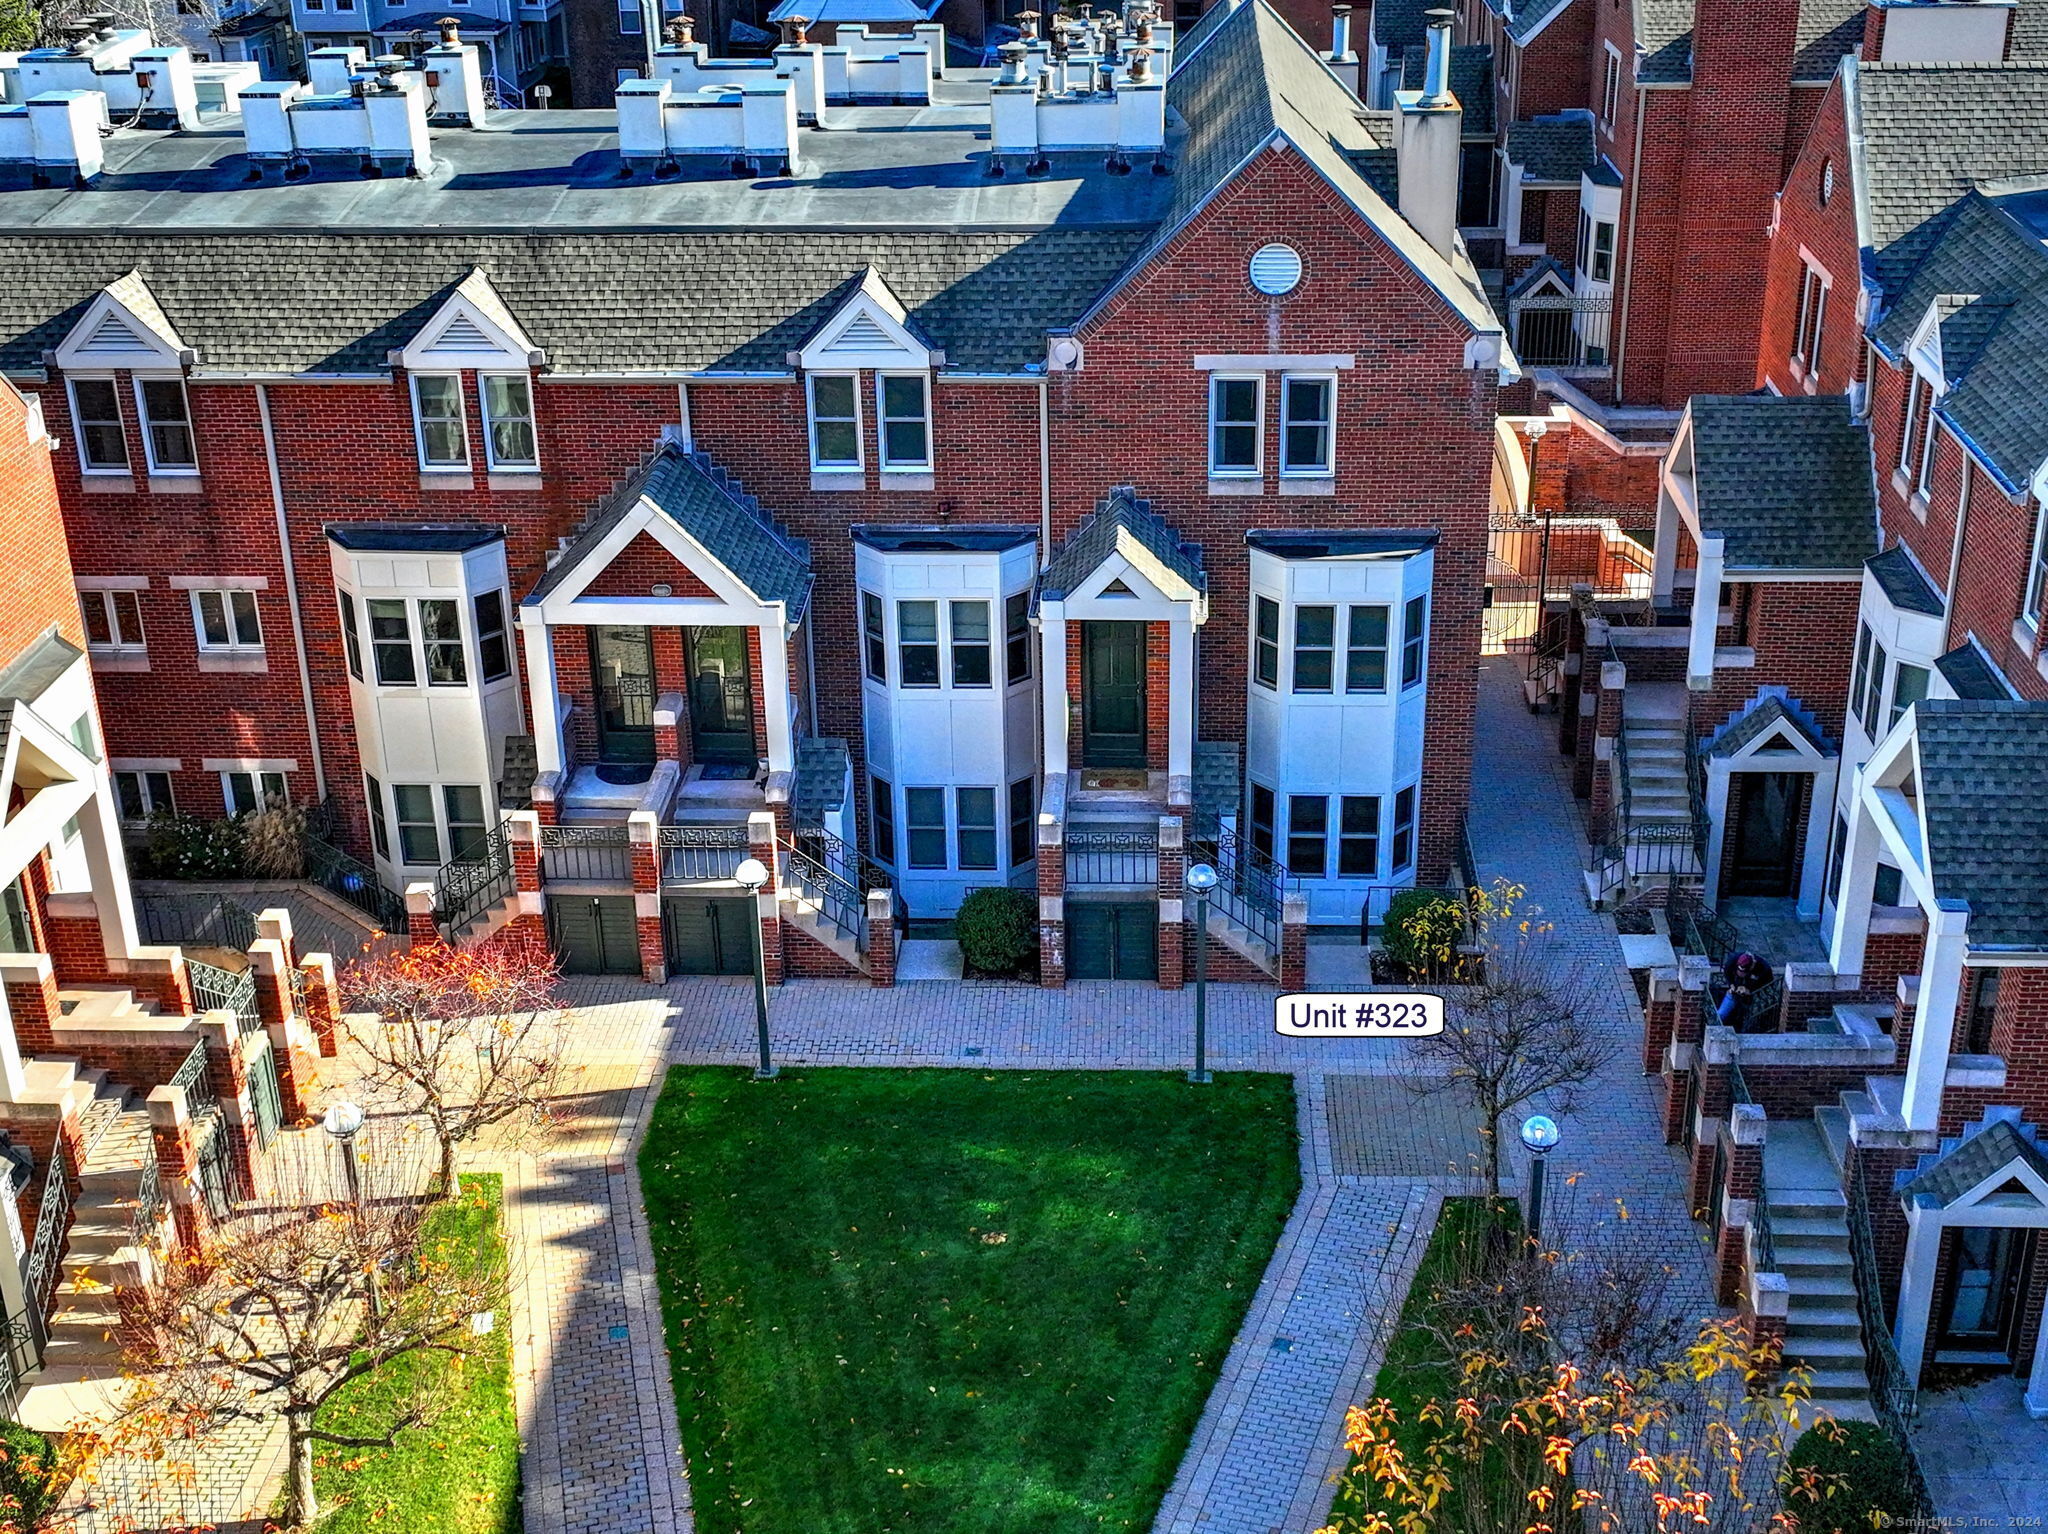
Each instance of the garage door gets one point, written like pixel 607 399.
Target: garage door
pixel 1112 940
pixel 595 934
pixel 707 937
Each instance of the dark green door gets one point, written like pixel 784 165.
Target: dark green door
pixel 1112 695
pixel 707 937
pixel 1112 940
pixel 721 696
pixel 595 934
pixel 622 671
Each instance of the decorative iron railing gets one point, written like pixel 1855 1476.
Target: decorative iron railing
pixel 1892 1392
pixel 197 1082
pixel 46 1250
pixel 214 1163
pixel 700 854
pixel 1763 1244
pixel 354 882
pixel 586 855
pixel 1250 886
pixel 466 888
pixel 1113 859
pixel 1561 329
pixel 216 989
pixel 835 897
pixel 146 1224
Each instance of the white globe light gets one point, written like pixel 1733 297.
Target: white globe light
pixel 752 873
pixel 1539 1133
pixel 1201 878
pixel 342 1120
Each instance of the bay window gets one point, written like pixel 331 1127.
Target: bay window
pixel 917 644
pixel 1314 648
pixel 493 645
pixel 873 644
pixel 1358 836
pixel 882 821
pixel 1365 657
pixel 924 819
pixel 1266 642
pixel 441 640
pixel 1404 830
pixel 391 643
pixel 419 837
pixel 975 827
pixel 351 635
pixel 1414 634
pixel 1017 638
pixel 380 826
pixel 970 638
pixel 1308 828
pixel 464 804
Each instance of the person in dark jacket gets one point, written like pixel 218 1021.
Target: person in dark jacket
pixel 1746 974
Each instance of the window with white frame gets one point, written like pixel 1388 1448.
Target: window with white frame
pixel 1404 830
pixel 380 823
pixel 2037 580
pixel 1610 86
pixel 143 794
pixel 1813 302
pixel 1307 422
pixel 245 792
pixel 1236 411
pixel 835 422
pixel 1923 472
pixel 419 836
pixel 463 804
pixel 227 621
pixel 968 623
pixel 1859 674
pixel 1909 686
pixel 167 426
pixel 351 635
pixel 630 25
pixel 874 645
pixel 1414 638
pixel 441 643
pixel 1919 399
pixel 102 441
pixel 1315 648
pixel 437 410
pixel 906 422
pixel 1308 830
pixel 1023 823
pixel 509 434
pixel 917 644
pixel 113 622
pixel 882 821
pixel 924 826
pixel 1870 696
pixel 1601 267
pixel 1266 642
pixel 493 641
pixel 1365 654
pixel 974 839
pixel 1358 836
pixel 391 643
pixel 1017 637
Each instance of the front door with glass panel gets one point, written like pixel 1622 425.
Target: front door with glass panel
pixel 1112 695
pixel 1980 1314
pixel 622 670
pixel 721 697
pixel 1766 853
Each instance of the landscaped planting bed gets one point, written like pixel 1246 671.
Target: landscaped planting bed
pixel 954 1300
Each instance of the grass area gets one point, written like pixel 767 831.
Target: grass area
pixel 458 1474
pixel 952 1301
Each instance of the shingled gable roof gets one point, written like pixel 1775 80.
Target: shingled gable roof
pixel 1755 723
pixel 1983 790
pixel 1982 1153
pixel 1903 584
pixel 1785 482
pixel 1471 82
pixel 1254 83
pixel 1557 149
pixel 706 503
pixel 1120 519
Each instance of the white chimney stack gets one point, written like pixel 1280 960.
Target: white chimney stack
pixel 1428 132
pixel 455 78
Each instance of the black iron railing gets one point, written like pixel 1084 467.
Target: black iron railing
pixel 192 1075
pixel 46 1251
pixel 265 1095
pixel 1250 886
pixel 586 855
pixel 837 899
pixel 146 1224
pixel 215 989
pixel 195 917
pixel 700 854
pixel 354 882
pixel 1763 1244
pixel 1892 1392
pixel 1122 859
pixel 467 887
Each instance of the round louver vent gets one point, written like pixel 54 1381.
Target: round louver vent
pixel 1276 269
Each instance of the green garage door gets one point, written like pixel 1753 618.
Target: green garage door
pixel 707 937
pixel 1112 940
pixel 595 934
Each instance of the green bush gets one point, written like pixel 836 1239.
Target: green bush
pixel 28 1485
pixel 1423 929
pixel 997 930
pixel 187 847
pixel 1846 1478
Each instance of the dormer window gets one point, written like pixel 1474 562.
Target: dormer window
pixel 906 422
pixel 835 422
pixel 167 426
pixel 508 422
pixel 437 411
pixel 102 443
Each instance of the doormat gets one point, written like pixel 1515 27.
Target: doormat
pixel 1115 779
pixel 624 774
pixel 725 772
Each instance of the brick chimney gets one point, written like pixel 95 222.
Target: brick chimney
pixel 1428 128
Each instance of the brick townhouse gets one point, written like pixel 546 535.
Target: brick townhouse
pixel 1870 1133
pixel 137 1083
pixel 934 510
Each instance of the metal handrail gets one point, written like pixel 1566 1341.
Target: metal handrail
pixel 355 882
pixel 701 854
pixel 854 865
pixel 1250 886
pixel 838 900
pixel 150 1206
pixel 465 888
pixel 601 854
pixel 217 989
pixel 186 916
pixel 1892 1393
pixel 46 1254
pixel 193 1076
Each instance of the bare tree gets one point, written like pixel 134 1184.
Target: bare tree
pixel 465 1038
pixel 1521 1032
pixel 326 1279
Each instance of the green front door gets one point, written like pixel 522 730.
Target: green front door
pixel 1112 940
pixel 622 671
pixel 707 937
pixel 1112 695
pixel 721 696
pixel 595 934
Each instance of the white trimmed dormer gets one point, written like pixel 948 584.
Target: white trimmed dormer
pixel 472 329
pixel 474 332
pixel 870 329
pixel 124 327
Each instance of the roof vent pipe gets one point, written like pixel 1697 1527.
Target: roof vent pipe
pixel 682 31
pixel 1027 26
pixel 1141 66
pixel 1436 79
pixel 1012 55
pixel 451 31
pixel 1340 31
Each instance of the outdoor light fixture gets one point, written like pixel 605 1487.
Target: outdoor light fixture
pixel 1201 879
pixel 753 877
pixel 1540 1135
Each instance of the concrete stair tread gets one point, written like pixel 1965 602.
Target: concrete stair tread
pixel 84 1005
pixel 1800 1345
pixel 1820 1287
pixel 1834 1384
pixel 1823 1311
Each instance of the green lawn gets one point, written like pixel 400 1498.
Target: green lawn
pixel 954 1301
pixel 458 1474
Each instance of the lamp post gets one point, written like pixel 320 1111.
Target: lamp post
pixel 753 875
pixel 1201 879
pixel 344 1121
pixel 1539 1134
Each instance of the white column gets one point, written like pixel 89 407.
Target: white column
pixel 1857 889
pixel 1934 1023
pixel 1052 681
pixel 1916 1289
pixel 1180 708
pixel 106 865
pixel 542 696
pixel 2037 1382
pixel 13 1084
pixel 776 698
pixel 1706 615
pixel 1664 556
pixel 1820 825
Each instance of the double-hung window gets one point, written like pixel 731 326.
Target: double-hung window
pixel 1308 833
pixel 975 828
pixel 971 643
pixel 1358 836
pixel 351 635
pixel 1307 422
pixel 835 423
pixel 493 643
pixel 1602 269
pixel 1266 642
pixel 1236 407
pixel 629 26
pixel 437 410
pixel 1813 301
pixel 1610 87
pixel 924 823
pixel 419 837
pixel 1916 426
pixel 873 644
pixel 113 622
pixel 1017 638
pixel 227 621
pixel 1315 630
pixel 1859 675
pixel 1404 830
pixel 380 824
pixel 1414 636
pixel 391 643
pixel 441 640
pixel 1873 691
pixel 882 820
pixel 1262 820
pixel 247 791
pixel 167 426
pixel 1923 472
pixel 1023 824
pixel 917 644
pixel 1365 656
pixel 143 794
pixel 508 422
pixel 102 443
pixel 906 422
pixel 464 804
pixel 1909 686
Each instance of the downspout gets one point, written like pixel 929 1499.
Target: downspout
pixel 291 589
pixel 1044 473
pixel 1628 278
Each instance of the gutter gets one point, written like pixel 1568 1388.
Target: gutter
pixel 291 590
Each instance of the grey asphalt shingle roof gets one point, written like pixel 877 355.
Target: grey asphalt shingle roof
pixel 1524 19
pixel 1471 82
pixel 30 673
pixel 708 505
pixel 1827 30
pixel 1398 25
pixel 1984 796
pixel 1556 148
pixel 1903 584
pixel 1992 1149
pixel 1754 723
pixel 1785 481
pixel 1096 539
pixel 339 303
pixel 1966 669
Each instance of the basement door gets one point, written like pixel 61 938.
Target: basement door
pixel 594 934
pixel 1112 940
pixel 704 936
